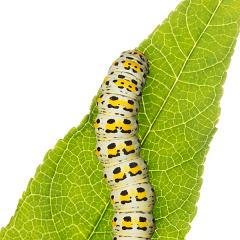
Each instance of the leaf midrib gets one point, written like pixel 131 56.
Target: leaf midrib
pixel 180 73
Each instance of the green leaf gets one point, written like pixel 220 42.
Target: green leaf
pixel 189 55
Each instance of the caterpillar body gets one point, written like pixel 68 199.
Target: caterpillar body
pixel 118 147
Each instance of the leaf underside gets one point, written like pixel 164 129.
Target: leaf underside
pixel 189 55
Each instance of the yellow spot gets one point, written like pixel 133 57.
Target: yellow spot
pixel 126 127
pixel 112 151
pixel 99 100
pixel 120 102
pixel 133 65
pixel 125 198
pixel 129 148
pixel 118 175
pixel 142 224
pixel 113 223
pixel 135 169
pixel 96 125
pixel 126 84
pixel 97 153
pixel 127 224
pixel 141 195
pixel 111 126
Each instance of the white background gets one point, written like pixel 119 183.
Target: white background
pixel 53 57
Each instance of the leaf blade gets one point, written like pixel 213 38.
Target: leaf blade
pixel 177 121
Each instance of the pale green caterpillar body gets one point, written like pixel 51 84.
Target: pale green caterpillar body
pixel 118 147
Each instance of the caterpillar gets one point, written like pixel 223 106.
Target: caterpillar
pixel 118 147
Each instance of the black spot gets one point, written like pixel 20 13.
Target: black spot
pixel 131 102
pixel 112 196
pixel 128 142
pixel 98 148
pixel 134 81
pixel 125 228
pixel 105 175
pixel 111 106
pixel 126 121
pixel 115 219
pixel 132 164
pixel 141 199
pixel 121 76
pixel 107 83
pixel 142 219
pixel 142 228
pixel 140 189
pixel 111 131
pixel 114 98
pixel 111 146
pixel 111 121
pixel 124 193
pixel 125 131
pixel 127 109
pixel 116 64
pixel 98 120
pixel 130 58
pixel 127 219
pixel 117 170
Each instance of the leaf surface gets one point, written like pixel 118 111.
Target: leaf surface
pixel 189 55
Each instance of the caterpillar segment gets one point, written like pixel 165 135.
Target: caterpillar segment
pixel 137 197
pixel 113 151
pixel 121 83
pixel 110 103
pixel 126 173
pixel 118 147
pixel 133 224
pixel 107 127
